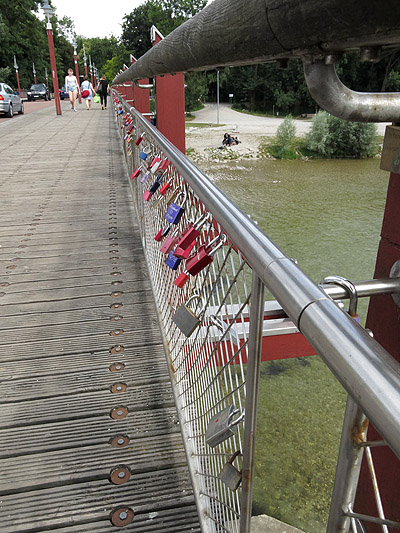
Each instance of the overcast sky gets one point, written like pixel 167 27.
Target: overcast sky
pixel 96 19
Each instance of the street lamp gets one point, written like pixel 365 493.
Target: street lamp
pixel 84 59
pixel 16 73
pixel 34 71
pixel 77 70
pixel 91 70
pixel 47 77
pixel 48 11
pixel 94 73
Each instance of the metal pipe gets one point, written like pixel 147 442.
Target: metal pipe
pixel 355 425
pixel 252 381
pixel 367 371
pixel 365 288
pixel 239 32
pixel 143 85
pixel 217 96
pixel 333 96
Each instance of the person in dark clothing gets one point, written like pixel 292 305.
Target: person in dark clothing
pixel 102 90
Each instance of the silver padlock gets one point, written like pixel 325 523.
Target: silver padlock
pixel 230 475
pixel 185 318
pixel 223 425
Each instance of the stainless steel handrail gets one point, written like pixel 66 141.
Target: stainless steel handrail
pixel 367 371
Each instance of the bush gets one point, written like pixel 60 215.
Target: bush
pixel 284 146
pixel 333 137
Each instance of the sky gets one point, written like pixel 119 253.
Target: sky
pixel 96 19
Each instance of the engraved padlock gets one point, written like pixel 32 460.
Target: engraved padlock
pixel 172 261
pixel 175 212
pixel 155 164
pixel 351 290
pixel 230 475
pixel 185 319
pixel 223 425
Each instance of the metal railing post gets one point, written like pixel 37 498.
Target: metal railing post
pixel 252 380
pixel 355 425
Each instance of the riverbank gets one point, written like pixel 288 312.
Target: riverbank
pixel 202 143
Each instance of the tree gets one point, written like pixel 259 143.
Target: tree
pixel 166 15
pixel 196 90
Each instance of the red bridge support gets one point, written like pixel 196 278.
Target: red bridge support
pixel 170 102
pixel 141 97
pixel 384 321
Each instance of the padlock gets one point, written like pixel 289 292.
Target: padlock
pixel 230 475
pixel 154 165
pixel 163 232
pixel 137 172
pixel 144 178
pixel 171 197
pixel 172 261
pixel 147 195
pixel 140 139
pixel 184 253
pixel 199 260
pixel 175 212
pixel 169 242
pixel 223 425
pixel 351 289
pixel 185 318
pixel 143 154
pixel 231 334
pixel 164 164
pixel 167 185
pixel 190 235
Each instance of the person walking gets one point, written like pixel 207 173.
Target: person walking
pixel 87 92
pixel 72 87
pixel 102 90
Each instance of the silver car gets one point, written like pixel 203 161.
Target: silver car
pixel 10 102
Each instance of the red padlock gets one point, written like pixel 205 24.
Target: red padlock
pixel 190 235
pixel 137 172
pixel 140 139
pixel 199 260
pixel 184 253
pixel 167 185
pixel 164 164
pixel 154 165
pixel 169 242
pixel 147 195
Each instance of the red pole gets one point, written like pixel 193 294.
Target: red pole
pixel 77 75
pixel 34 77
pixel 49 30
pixel 19 88
pixel 47 82
pixel 86 74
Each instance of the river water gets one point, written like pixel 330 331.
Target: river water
pixel 327 214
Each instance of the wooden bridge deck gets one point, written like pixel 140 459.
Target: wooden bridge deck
pixel 75 299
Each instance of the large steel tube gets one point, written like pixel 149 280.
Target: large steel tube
pixel 239 32
pixel 333 96
pixel 367 371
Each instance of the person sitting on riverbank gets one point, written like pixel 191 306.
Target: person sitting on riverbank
pixel 228 140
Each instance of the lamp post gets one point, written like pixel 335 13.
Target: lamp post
pixel 16 73
pixel 34 71
pixel 84 60
pixel 94 74
pixel 48 11
pixel 47 77
pixel 217 96
pixel 91 70
pixel 77 71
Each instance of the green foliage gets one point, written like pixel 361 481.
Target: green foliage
pixel 7 76
pixel 317 139
pixel 165 15
pixel 196 90
pixel 336 138
pixel 284 146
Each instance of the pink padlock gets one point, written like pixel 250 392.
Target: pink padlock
pixel 147 195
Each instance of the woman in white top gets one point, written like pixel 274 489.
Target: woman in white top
pixel 72 87
pixel 87 86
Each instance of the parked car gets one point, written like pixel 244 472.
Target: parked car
pixel 10 102
pixel 63 93
pixel 37 91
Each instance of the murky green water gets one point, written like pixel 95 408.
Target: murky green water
pixel 328 215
